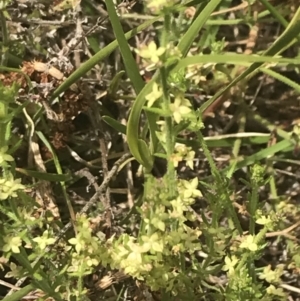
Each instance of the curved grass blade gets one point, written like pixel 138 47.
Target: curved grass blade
pixel 114 84
pixel 18 295
pixel 94 60
pixel 188 38
pixel 281 78
pixel 265 153
pixel 59 172
pixel 215 141
pixel 138 84
pixel 284 41
pixel 238 59
pixel 129 62
pixel 274 12
pixel 132 132
pixel 52 177
pixel 133 122
pixel 118 126
pixel 44 282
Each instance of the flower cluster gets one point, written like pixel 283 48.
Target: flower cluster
pixel 164 235
pixel 9 187
pixel 86 249
pixel 180 107
pixel 183 153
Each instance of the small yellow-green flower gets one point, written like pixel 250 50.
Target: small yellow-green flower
pixel 154 243
pixel 296 130
pixel 151 52
pixel 158 223
pixel 190 189
pixel 190 239
pixel 176 158
pixel 12 243
pixel 178 207
pixel 9 187
pixel 91 261
pixel 15 271
pixel 264 220
pixel 272 290
pixel 249 244
pixel 44 240
pixel 230 263
pixel 155 94
pixel 135 256
pixel 181 148
pixel 78 242
pixel 272 276
pixel 183 153
pixel 179 108
pixel 189 158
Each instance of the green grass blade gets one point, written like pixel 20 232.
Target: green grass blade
pixel 59 172
pixel 281 78
pixel 44 175
pixel 138 84
pixel 284 41
pixel 215 141
pixel 44 282
pixel 118 126
pixel 274 12
pixel 94 60
pixel 128 59
pixel 132 132
pixel 287 38
pixel 238 59
pixel 188 38
pixel 265 153
pixel 114 84
pixel 135 145
pixel 18 295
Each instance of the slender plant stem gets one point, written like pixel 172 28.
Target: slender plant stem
pixel 3 114
pixel 238 141
pixel 222 189
pixel 166 106
pixel 4 57
pixel 253 206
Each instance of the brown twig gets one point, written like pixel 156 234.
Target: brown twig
pixel 283 232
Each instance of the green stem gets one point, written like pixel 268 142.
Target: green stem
pixel 252 209
pixel 281 133
pixel 238 141
pixel 3 113
pixel 5 40
pixel 275 13
pixel 222 189
pixel 166 106
pixel 272 182
pixel 257 240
